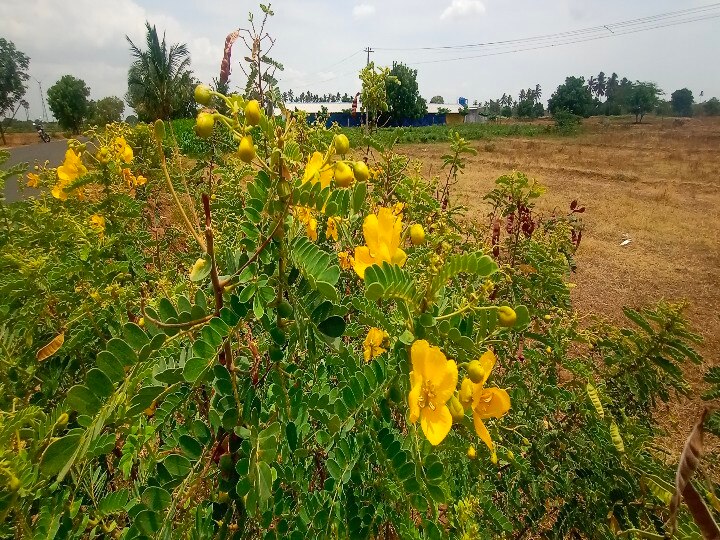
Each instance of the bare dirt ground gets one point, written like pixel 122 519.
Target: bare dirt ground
pixel 659 184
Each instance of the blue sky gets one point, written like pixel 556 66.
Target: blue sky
pixel 315 38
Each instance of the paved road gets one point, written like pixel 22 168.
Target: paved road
pixel 54 151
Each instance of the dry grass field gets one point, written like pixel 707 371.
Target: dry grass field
pixel 658 183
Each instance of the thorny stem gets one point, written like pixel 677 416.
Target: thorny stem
pixel 215 279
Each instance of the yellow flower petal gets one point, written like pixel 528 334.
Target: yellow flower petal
pixel 371 233
pixel 446 384
pixel 435 424
pixel 419 352
pixel 362 260
pixel 399 257
pixel 414 396
pixel 59 193
pixel 487 361
pixel 491 403
pixel 483 433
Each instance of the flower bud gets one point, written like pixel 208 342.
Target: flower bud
pixel 203 94
pixel 252 112
pixel 62 421
pixel 246 150
pixel 506 316
pixel 159 129
pixel 342 144
pixel 471 452
pixel 204 124
pixel 476 372
pixel 361 171
pixel 456 409
pixel 13 483
pixel 343 175
pixel 466 393
pixel 417 234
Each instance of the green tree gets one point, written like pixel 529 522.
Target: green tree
pixel 525 108
pixel 404 100
pixel 373 95
pixel 106 110
pixel 712 107
pixel 573 96
pixel 13 74
pixel 160 83
pixel 68 101
pixel 642 98
pixel 437 99
pixel 682 101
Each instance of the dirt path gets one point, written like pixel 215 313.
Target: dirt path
pixel 657 184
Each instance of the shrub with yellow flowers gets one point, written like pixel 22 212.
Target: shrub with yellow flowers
pixel 320 344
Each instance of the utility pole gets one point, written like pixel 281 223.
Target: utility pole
pixel 368 50
pixel 42 99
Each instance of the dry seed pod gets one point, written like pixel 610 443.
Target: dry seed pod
pixel 51 348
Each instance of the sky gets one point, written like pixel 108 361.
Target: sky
pixel 321 42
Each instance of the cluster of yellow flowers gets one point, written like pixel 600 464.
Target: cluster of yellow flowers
pixel 133 181
pixel 304 216
pixel 433 398
pixel 71 169
pixel 376 343
pixel 433 382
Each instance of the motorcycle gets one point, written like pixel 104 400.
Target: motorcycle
pixel 41 132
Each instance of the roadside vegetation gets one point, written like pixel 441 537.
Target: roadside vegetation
pixel 252 326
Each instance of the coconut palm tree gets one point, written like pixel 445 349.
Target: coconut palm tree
pixel 601 83
pixel 160 83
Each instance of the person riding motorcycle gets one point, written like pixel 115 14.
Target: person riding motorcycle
pixel 41 131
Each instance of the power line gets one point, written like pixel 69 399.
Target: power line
pixel 569 33
pixel 567 42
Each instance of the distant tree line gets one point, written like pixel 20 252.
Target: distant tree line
pixel 309 97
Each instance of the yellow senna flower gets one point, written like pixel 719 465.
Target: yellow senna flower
pixel 487 402
pixel 140 180
pixel 346 260
pixel 382 238
pixel 33 180
pixel 433 381
pixel 374 343
pixel 129 178
pixel 98 223
pixel 304 216
pixel 317 170
pixel 58 191
pixel 71 168
pixel 123 151
pixel 332 228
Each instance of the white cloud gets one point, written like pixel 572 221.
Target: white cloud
pixel 463 8
pixel 362 11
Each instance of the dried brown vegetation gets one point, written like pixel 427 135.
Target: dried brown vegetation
pixel 656 183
